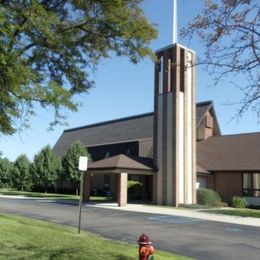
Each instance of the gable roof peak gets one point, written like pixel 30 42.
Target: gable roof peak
pixel 205 103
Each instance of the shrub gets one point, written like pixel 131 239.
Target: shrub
pixel 134 189
pixel 238 202
pixel 208 197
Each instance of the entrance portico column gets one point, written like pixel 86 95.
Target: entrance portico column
pixel 122 189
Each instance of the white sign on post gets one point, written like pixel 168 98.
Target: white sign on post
pixel 83 163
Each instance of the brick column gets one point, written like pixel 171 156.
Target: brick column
pixel 175 126
pixel 122 189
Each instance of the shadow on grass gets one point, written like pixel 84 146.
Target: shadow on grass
pixel 32 252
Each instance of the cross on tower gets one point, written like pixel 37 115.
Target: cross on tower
pixel 175 21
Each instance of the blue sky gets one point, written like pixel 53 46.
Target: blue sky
pixel 124 89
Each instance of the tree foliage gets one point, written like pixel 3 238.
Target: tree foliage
pixel 45 168
pixel 48 47
pixel 21 177
pixel 5 173
pixel 230 33
pixel 70 162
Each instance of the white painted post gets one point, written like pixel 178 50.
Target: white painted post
pixel 83 165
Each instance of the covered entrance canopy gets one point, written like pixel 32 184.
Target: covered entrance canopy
pixel 121 165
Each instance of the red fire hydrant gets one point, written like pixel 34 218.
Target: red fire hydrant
pixel 146 248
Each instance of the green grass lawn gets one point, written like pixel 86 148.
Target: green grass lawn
pixel 53 196
pixel 37 194
pixel 236 212
pixel 25 238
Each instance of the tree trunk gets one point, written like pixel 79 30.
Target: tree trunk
pixel 22 188
pixel 46 189
pixel 77 191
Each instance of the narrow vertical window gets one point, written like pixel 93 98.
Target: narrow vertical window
pixel 251 184
pixel 161 76
pixel 256 184
pixel 182 70
pixel 247 185
pixel 169 89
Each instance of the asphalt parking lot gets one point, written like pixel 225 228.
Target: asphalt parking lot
pixel 188 236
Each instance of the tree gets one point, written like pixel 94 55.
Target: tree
pixel 70 162
pixel 48 47
pixel 5 172
pixel 21 172
pixel 45 168
pixel 230 33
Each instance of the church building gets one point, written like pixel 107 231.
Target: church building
pixel 173 150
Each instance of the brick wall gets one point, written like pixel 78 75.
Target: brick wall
pixel 228 185
pixel 208 126
pixel 210 182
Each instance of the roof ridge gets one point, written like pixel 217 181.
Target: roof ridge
pixel 120 161
pixel 238 134
pixel 110 121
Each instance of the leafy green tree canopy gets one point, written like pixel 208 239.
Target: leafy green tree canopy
pixel 230 33
pixel 21 172
pixel 45 168
pixel 5 172
pixel 48 47
pixel 70 162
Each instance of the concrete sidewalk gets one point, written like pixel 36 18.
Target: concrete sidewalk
pixel 190 213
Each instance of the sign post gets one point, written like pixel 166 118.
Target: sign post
pixel 83 165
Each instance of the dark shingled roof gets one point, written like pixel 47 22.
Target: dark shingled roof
pixel 230 153
pixel 120 130
pixel 115 131
pixel 122 162
pixel 200 169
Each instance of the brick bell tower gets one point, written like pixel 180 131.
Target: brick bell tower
pixel 175 126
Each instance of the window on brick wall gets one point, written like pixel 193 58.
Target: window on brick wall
pixel 251 184
pixel 160 89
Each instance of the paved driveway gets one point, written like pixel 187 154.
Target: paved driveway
pixel 187 236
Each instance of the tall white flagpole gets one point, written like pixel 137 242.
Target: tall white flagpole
pixel 175 30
